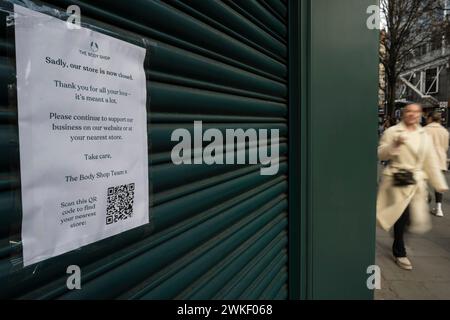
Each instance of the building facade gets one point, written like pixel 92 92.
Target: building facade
pixel 426 77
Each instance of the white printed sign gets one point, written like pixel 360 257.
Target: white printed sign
pixel 82 133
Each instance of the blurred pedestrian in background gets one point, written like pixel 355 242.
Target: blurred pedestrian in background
pixel 440 138
pixel 389 122
pixel 402 195
pixel 380 126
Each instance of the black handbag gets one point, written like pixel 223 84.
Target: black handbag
pixel 403 177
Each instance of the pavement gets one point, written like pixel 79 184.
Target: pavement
pixel 430 257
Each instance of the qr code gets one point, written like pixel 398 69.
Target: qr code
pixel 119 204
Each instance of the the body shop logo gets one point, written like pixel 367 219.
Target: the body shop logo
pixel 94 46
pixel 92 51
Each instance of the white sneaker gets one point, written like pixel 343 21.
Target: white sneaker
pixel 404 263
pixel 438 211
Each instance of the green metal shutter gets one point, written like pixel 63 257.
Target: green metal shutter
pixel 218 232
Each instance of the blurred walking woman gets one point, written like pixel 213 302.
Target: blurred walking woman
pixel 402 194
pixel 440 137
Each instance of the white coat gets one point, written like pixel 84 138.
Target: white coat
pixel 440 137
pixel 417 154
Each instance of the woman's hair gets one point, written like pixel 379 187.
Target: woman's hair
pixel 412 104
pixel 436 116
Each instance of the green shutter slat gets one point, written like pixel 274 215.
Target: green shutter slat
pixel 214 280
pixel 8 181
pixel 282 293
pixel 165 179
pixel 168 284
pixel 165 253
pixel 277 283
pixel 161 117
pixel 199 71
pixel 193 66
pixel 9 144
pixel 118 257
pixel 167 176
pixel 189 30
pixel 210 86
pixel 223 17
pixel 168 213
pixel 217 175
pixel 270 8
pixel 6 78
pixel 165 157
pixel 264 16
pixel 196 202
pixel 4 47
pixel 255 290
pixel 160 134
pixel 239 207
pixel 279 7
pixel 8 212
pixel 169 97
pixel 7 116
pixel 253 11
pixel 245 277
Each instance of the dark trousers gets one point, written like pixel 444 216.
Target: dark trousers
pixel 437 195
pixel 398 248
